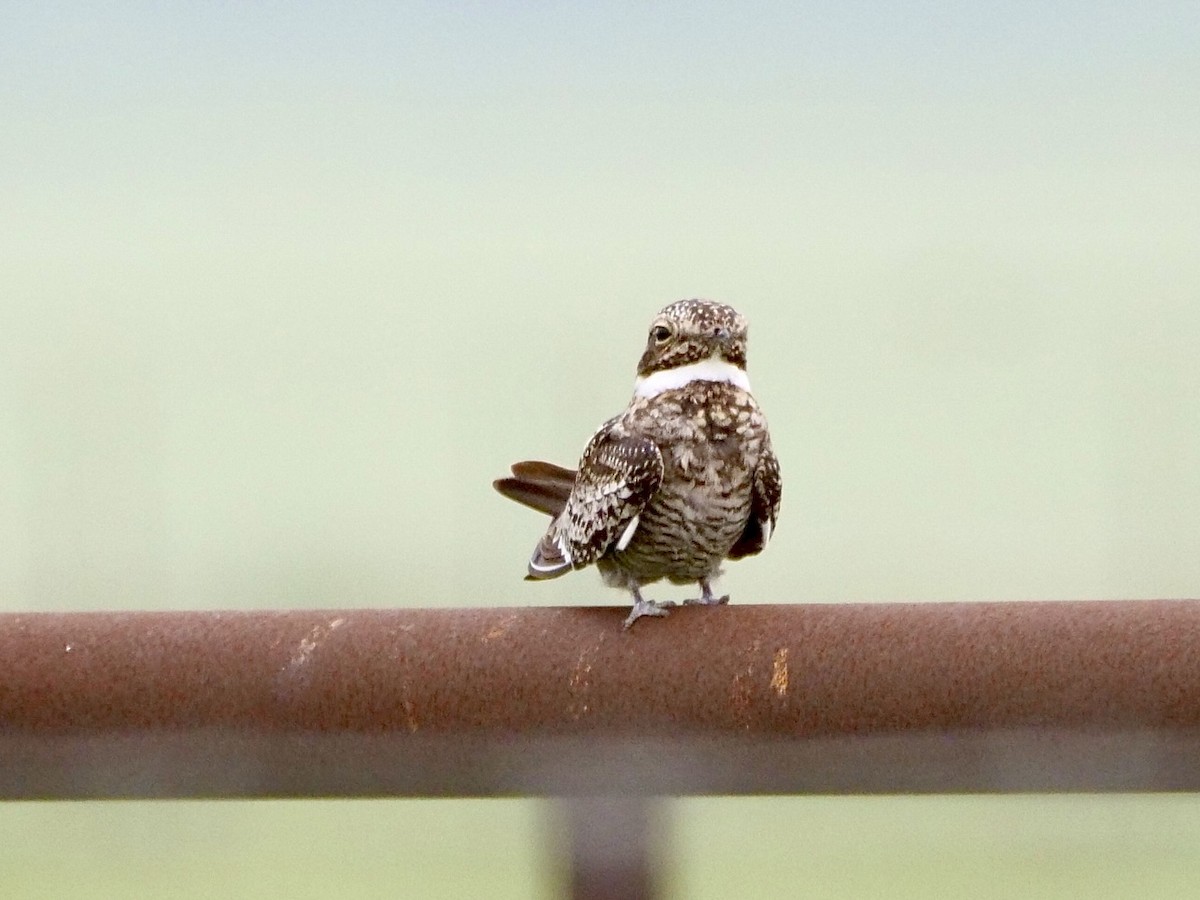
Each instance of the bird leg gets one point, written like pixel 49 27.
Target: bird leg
pixel 644 607
pixel 706 596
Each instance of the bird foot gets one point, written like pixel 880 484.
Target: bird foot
pixel 710 600
pixel 706 597
pixel 647 608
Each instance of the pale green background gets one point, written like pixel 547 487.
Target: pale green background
pixel 282 289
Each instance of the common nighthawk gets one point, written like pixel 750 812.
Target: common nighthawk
pixel 683 479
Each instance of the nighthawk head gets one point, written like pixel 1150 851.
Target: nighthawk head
pixel 693 340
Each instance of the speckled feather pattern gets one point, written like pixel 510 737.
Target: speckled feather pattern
pixel 695 321
pixel 689 469
pixel 713 439
pixel 618 475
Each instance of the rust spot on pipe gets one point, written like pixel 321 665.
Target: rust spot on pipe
pixel 410 716
pixel 498 630
pixel 779 672
pixel 578 684
pixel 311 641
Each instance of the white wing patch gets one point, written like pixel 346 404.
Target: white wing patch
pixel 559 566
pixel 563 549
pixel 627 534
pixel 616 478
pixel 711 369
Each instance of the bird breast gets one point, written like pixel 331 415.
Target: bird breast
pixel 711 437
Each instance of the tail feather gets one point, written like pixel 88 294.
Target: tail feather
pixel 535 470
pixel 544 499
pixel 539 485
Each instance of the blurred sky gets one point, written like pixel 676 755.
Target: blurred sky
pixel 283 287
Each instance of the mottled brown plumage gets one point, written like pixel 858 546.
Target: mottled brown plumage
pixel 683 479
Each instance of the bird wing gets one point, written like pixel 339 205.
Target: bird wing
pixel 765 494
pixel 617 476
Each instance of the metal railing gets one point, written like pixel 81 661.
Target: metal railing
pixel 862 698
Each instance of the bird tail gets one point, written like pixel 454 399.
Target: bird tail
pixel 539 485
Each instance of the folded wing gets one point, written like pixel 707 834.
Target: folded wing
pixel 766 491
pixel 617 476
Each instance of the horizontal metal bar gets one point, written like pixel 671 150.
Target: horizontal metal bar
pixel 472 702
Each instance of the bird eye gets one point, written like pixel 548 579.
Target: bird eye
pixel 660 333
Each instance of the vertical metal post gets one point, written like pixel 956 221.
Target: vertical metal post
pixel 610 847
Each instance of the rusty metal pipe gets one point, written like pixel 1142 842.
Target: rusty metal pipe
pixel 475 702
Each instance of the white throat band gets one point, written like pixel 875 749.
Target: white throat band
pixel 711 369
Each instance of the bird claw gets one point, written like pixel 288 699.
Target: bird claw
pixel 706 597
pixel 647 608
pixel 710 600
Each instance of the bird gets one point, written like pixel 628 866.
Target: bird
pixel 680 481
